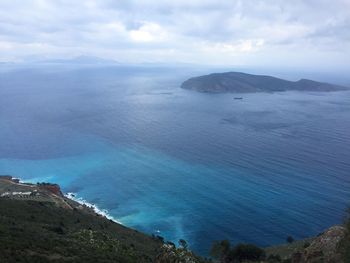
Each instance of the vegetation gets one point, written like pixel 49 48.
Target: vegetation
pixel 344 246
pixel 246 252
pixel 32 231
pixel 183 243
pixel 220 250
pixel 171 254
pixel 290 239
pixel 274 258
pixel 36 231
pixel 44 226
pixel 240 253
pixel 47 227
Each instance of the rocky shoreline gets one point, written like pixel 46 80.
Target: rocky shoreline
pixel 14 188
pixel 76 220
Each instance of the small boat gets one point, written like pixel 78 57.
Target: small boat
pixel 238 98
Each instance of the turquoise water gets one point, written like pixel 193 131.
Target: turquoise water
pixel 177 163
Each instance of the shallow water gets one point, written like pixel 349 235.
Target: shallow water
pixel 178 163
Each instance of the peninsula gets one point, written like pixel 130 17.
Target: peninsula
pixel 237 82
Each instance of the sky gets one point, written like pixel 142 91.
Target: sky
pixel 309 33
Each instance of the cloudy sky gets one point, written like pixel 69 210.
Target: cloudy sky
pixel 310 33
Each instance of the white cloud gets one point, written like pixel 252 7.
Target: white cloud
pixel 148 32
pixel 238 47
pixel 253 31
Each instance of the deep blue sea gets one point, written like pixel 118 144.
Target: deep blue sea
pixel 178 163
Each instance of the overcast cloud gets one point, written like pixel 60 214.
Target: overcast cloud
pixel 272 32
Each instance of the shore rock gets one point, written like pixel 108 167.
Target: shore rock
pixel 53 188
pixel 324 249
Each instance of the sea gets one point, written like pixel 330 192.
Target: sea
pixel 178 163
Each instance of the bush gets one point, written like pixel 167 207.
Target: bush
pixel 306 244
pixel 290 239
pixel 220 249
pixel 274 259
pixel 183 243
pixel 246 252
pixel 240 253
pixel 58 230
pixel 160 238
pixel 171 244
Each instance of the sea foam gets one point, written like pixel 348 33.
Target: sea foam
pixel 97 210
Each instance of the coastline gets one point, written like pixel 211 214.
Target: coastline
pixel 69 195
pixel 75 210
pixel 94 207
pixel 41 224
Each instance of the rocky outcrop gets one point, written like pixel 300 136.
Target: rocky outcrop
pixel 53 188
pixel 6 177
pixel 323 249
pixel 9 178
pixel 171 254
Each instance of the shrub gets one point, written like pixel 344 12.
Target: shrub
pixel 220 249
pixel 183 243
pixel 274 259
pixel 171 244
pixel 160 238
pixel 290 239
pixel 58 230
pixel 306 244
pixel 246 252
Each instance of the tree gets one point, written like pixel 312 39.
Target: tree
pixel 274 258
pixel 171 244
pixel 290 239
pixel 246 252
pixel 160 238
pixel 220 249
pixel 183 243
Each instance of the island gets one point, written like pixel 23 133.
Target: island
pixel 238 82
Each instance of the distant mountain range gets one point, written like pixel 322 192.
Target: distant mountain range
pixel 237 82
pixel 80 60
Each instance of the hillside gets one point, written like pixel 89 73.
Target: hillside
pixel 327 247
pixel 237 82
pixel 39 224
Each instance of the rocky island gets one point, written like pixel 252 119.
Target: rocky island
pixel 237 82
